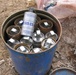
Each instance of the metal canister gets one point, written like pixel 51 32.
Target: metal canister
pixel 29 22
pixel 47 43
pixel 19 21
pixel 12 42
pixel 52 35
pixel 38 36
pixel 14 32
pixel 45 26
pixel 22 47
pixel 36 50
pixel 27 40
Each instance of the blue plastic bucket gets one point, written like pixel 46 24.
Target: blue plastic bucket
pixel 63 71
pixel 31 64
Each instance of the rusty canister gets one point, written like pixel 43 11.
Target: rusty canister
pixel 14 32
pixel 45 25
pixel 19 21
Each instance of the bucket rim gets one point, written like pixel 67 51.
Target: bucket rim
pixel 27 10
pixel 62 68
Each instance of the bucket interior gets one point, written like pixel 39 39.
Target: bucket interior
pixel 43 15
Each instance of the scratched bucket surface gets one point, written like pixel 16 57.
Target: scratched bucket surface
pixel 31 64
pixel 63 71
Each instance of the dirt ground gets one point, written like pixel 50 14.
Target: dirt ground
pixel 65 55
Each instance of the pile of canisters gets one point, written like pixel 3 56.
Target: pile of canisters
pixel 31 34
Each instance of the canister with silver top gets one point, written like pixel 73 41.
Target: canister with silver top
pixel 22 47
pixel 36 50
pixel 52 35
pixel 47 43
pixel 12 42
pixel 27 40
pixel 38 36
pixel 13 31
